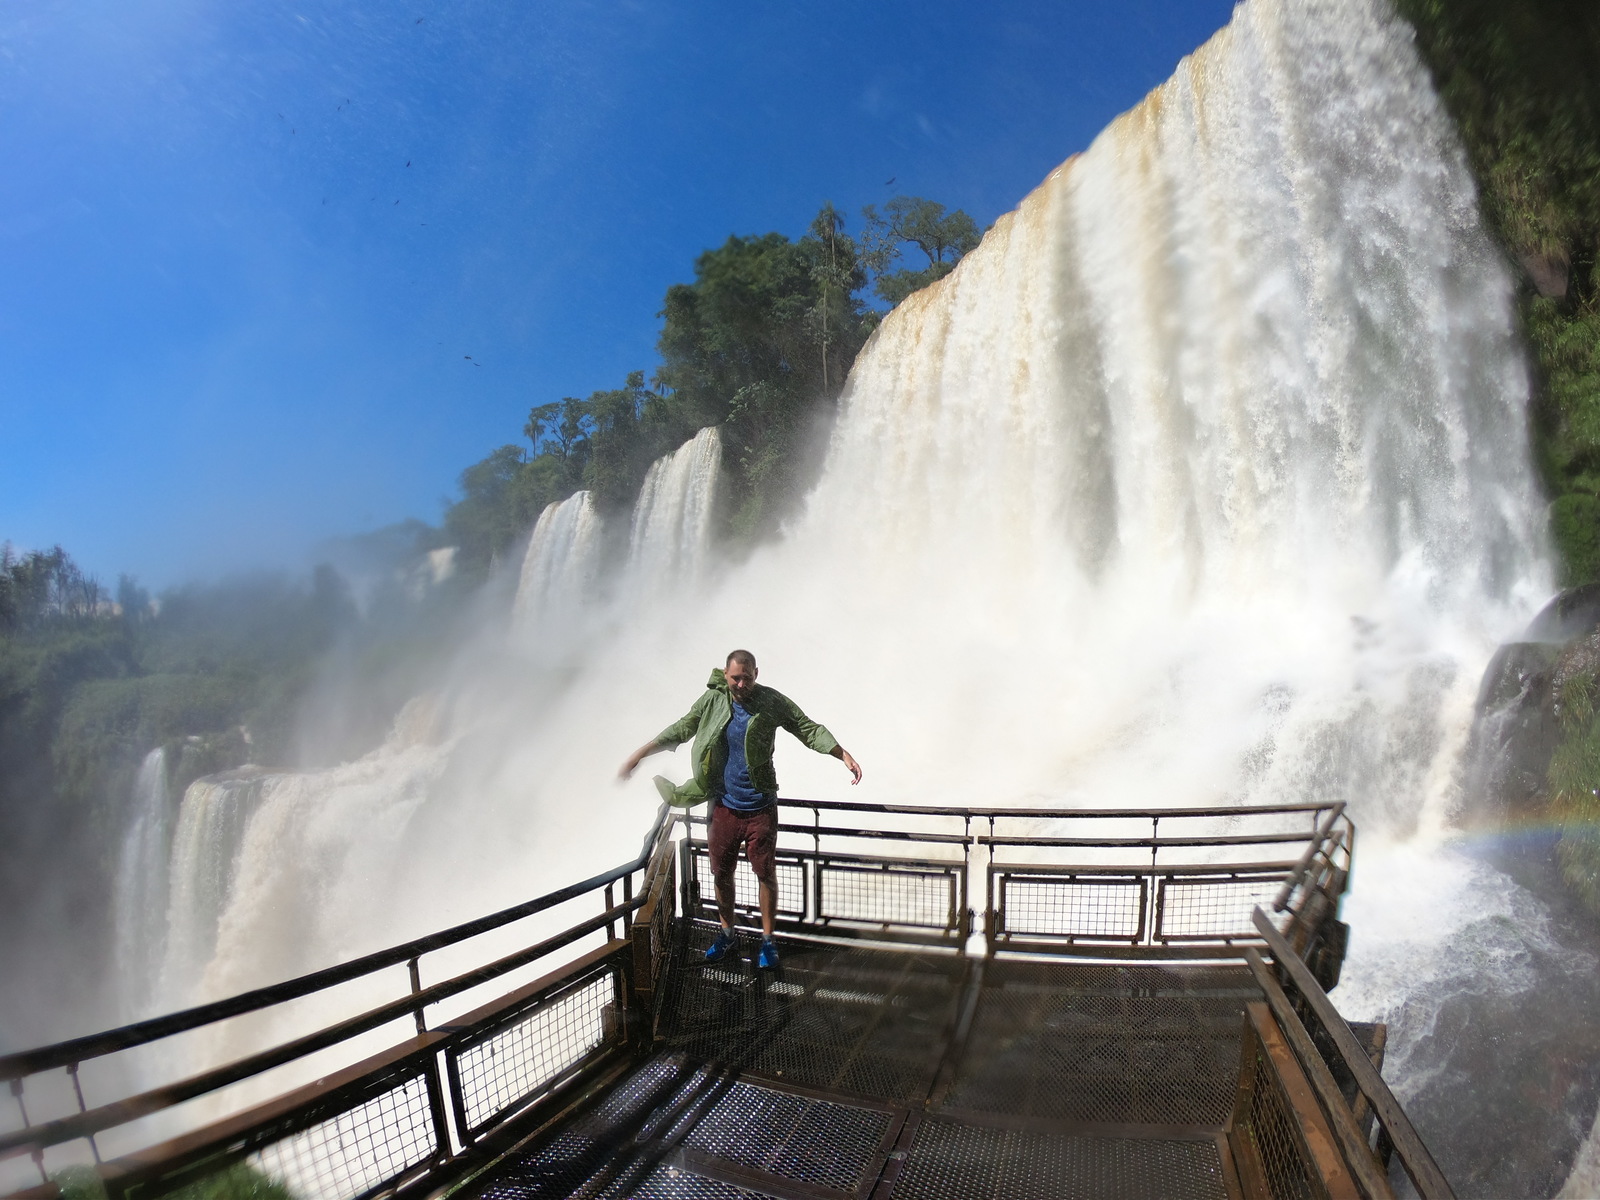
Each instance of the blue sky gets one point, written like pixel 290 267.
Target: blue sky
pixel 247 247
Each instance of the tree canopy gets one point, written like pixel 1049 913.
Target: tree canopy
pixel 759 342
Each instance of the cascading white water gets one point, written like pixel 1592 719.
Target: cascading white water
pixel 562 561
pixel 1203 479
pixel 203 864
pixel 139 898
pixel 669 540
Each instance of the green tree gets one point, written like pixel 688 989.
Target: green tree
pixel 495 511
pixel 760 343
pixel 631 427
pixel 943 237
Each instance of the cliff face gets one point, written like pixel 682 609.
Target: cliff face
pixel 1519 83
pixel 1534 757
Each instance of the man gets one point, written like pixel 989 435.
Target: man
pixel 734 725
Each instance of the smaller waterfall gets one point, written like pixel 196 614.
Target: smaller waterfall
pixel 670 539
pixel 562 562
pixel 140 893
pixel 203 862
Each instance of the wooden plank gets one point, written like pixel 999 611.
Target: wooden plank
pixel 1414 1156
pixel 1357 1154
pixel 1316 1137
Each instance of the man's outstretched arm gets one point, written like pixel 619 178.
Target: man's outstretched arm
pixel 848 759
pixel 631 764
pixel 670 738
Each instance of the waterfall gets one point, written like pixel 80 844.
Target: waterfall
pixel 670 538
pixel 203 863
pixel 1203 479
pixel 562 561
pixel 139 916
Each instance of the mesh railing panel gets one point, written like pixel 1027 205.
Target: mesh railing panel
pixel 1212 908
pixel 352 1153
pixel 516 1061
pixel 886 896
pixel 746 890
pixel 1273 1138
pixel 1075 907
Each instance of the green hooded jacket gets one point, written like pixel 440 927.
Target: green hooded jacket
pixel 707 721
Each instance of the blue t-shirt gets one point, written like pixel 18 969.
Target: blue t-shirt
pixel 738 793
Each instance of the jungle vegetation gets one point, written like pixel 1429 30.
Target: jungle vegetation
pixel 1521 84
pixel 759 343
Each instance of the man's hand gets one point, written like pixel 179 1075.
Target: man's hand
pixel 638 756
pixel 855 768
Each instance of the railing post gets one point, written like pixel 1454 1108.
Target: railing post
pixel 77 1090
pixel 416 990
pixel 964 916
pixel 38 1151
pixel 611 926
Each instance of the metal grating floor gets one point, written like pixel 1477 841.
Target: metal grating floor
pixel 951 1160
pixel 867 1022
pixel 676 1129
pixel 1120 1045
pixel 808 1084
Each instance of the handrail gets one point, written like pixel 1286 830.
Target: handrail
pixel 920 810
pixel 77 1050
pixel 1414 1157
pixel 119 1112
pixel 1281 901
pixel 1149 843
pixel 81 1049
pixel 1358 1154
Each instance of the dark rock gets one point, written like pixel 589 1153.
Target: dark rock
pixel 1548 273
pixel 1574 613
pixel 1515 730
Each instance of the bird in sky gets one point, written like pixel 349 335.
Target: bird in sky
pixel 889 182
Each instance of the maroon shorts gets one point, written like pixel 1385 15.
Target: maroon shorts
pixel 757 832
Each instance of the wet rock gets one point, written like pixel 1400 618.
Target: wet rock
pixel 1549 274
pixel 1516 728
pixel 1574 613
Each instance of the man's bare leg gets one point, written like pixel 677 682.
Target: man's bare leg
pixel 769 905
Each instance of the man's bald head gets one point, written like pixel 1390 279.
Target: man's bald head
pixel 743 657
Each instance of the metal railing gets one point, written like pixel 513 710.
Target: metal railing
pixel 1366 1120
pixel 1108 883
pixel 1162 884
pixel 373 1124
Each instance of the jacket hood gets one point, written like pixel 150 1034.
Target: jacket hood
pixel 719 682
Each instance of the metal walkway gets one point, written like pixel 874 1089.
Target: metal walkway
pixel 855 1072
pixel 972 1003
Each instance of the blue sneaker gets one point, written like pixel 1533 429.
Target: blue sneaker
pixel 767 959
pixel 721 948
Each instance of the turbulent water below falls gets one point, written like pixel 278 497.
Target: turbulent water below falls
pixel 1204 479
